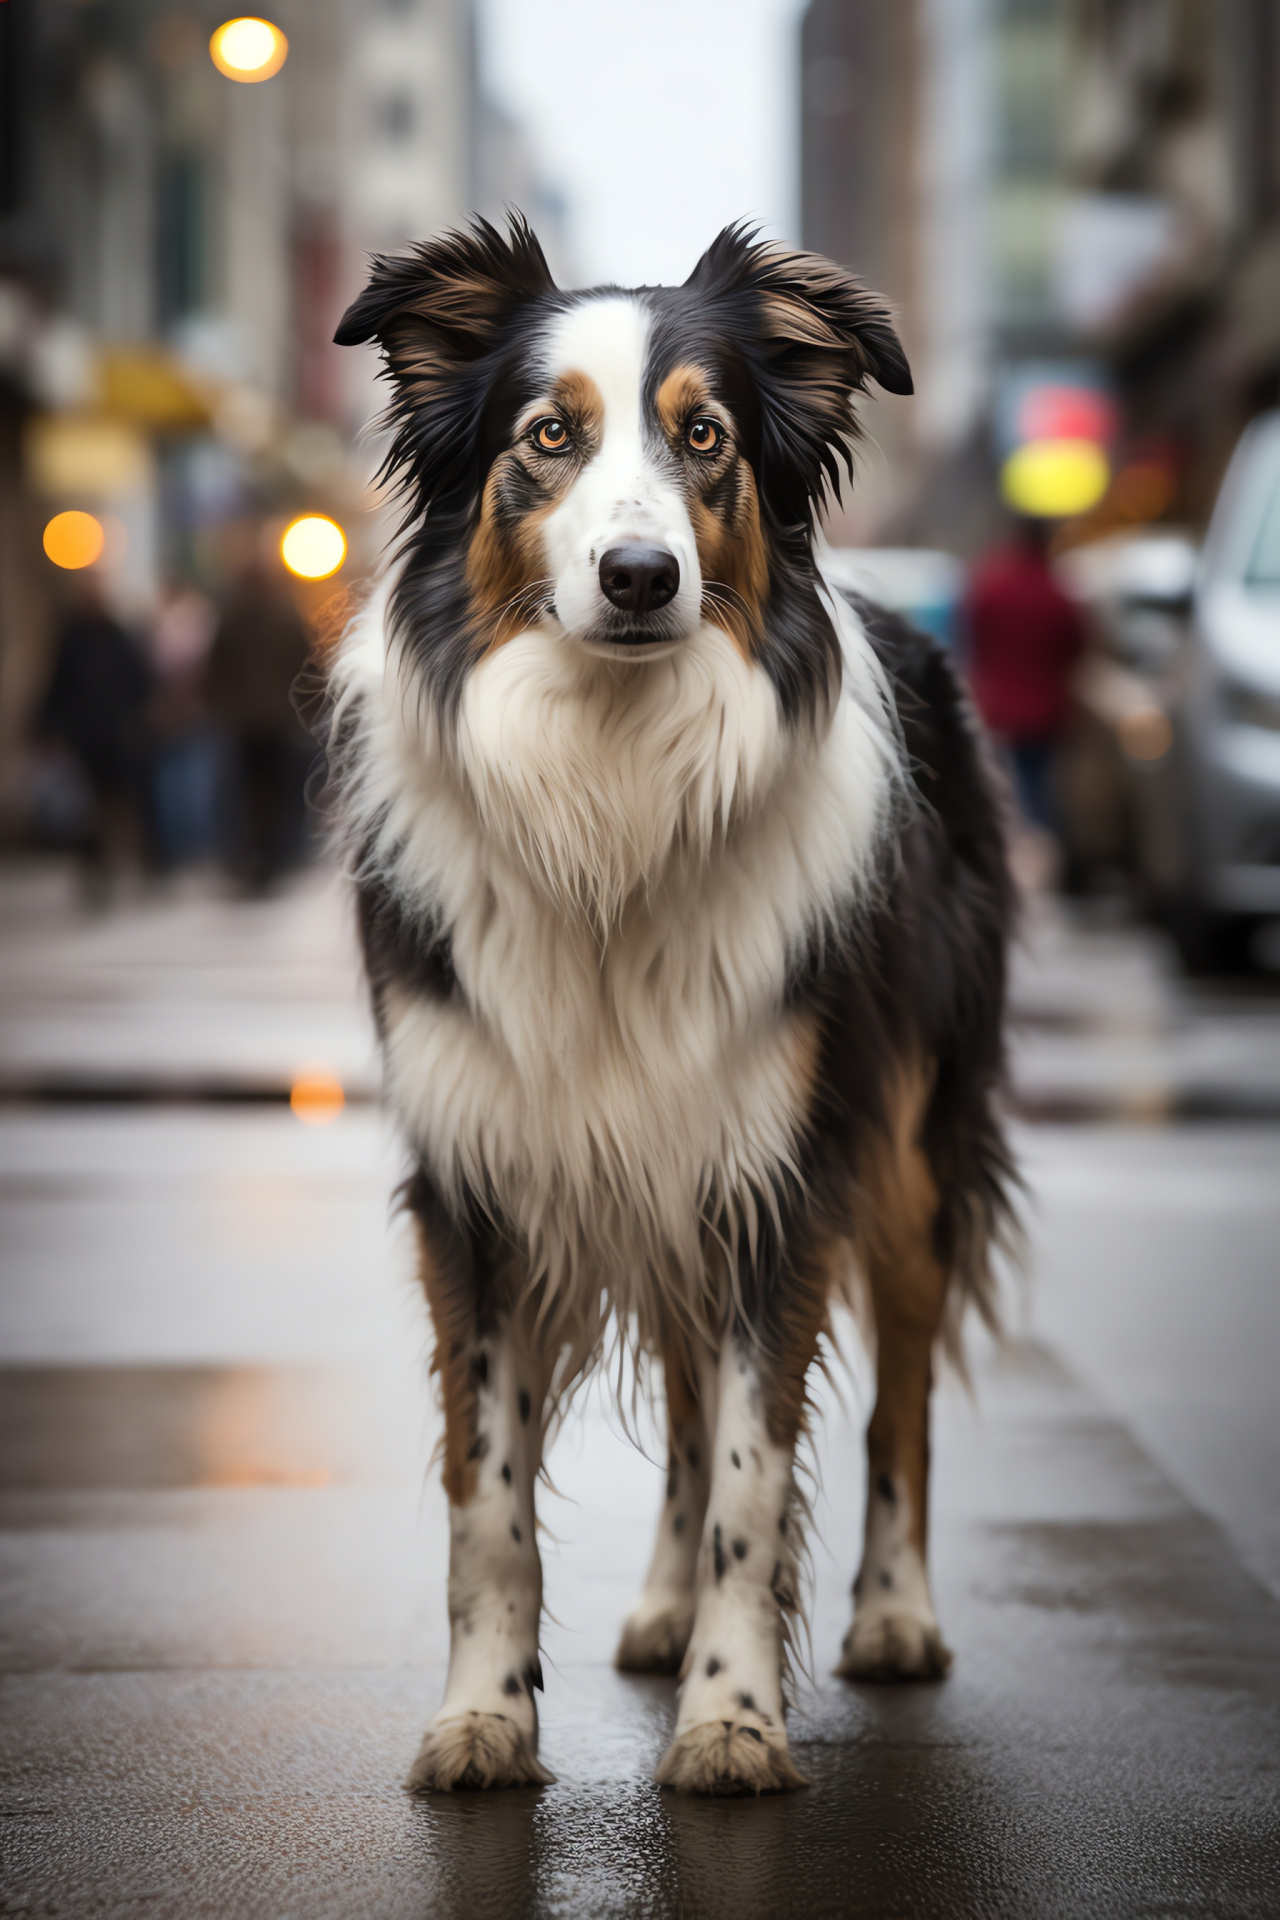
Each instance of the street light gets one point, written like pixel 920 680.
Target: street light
pixel 313 546
pixel 248 49
pixel 74 540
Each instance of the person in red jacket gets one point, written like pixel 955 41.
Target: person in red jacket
pixel 1024 638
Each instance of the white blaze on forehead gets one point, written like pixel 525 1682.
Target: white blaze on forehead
pixel 624 492
pixel 607 339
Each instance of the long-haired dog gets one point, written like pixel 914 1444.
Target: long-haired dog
pixel 684 905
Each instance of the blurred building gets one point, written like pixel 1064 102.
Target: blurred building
pixel 1087 182
pixel 175 251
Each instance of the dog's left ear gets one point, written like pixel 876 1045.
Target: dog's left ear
pixel 439 312
pixel 812 337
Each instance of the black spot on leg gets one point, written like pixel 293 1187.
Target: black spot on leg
pixel 478 1448
pixel 677 1524
pixel 779 1589
pixel 506 1472
pixel 734 1457
pixel 739 1549
pixel 525 1406
pixel 511 1684
pixel 480 1367
pixel 692 1456
pixel 886 1579
pixel 515 1533
pixel 747 1704
pixel 717 1554
pixel 782 1524
pixel 884 1487
pixel 713 1667
pixel 533 1676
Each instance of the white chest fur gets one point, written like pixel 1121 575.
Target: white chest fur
pixel 626 864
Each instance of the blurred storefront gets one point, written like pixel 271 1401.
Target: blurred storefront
pixel 177 243
pixel 1088 184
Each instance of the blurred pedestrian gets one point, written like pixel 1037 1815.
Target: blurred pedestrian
pixel 261 645
pixel 96 709
pixel 185 754
pixel 1024 637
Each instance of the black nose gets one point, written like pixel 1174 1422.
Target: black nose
pixel 639 579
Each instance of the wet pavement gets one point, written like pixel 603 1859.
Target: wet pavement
pixel 222 1553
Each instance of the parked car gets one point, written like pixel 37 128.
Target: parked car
pixel 1119 818
pixel 1196 709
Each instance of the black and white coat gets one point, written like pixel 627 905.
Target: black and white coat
pixel 683 904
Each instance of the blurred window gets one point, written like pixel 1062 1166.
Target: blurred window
pixel 1264 562
pixel 181 237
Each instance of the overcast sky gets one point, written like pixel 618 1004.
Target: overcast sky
pixel 660 120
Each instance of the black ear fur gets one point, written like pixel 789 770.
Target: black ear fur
pixel 812 337
pixel 460 286
pixel 441 312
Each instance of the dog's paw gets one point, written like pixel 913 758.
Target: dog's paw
pixel 655 1634
pixel 894 1646
pixel 729 1757
pixel 475 1750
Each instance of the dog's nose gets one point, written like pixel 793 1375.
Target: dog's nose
pixel 639 579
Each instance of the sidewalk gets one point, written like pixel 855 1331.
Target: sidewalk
pixel 222 1618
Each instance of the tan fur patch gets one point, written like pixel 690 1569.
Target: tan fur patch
pixel 452 1317
pixel 908 1285
pixel 731 550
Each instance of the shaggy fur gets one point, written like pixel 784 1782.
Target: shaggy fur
pixel 684 914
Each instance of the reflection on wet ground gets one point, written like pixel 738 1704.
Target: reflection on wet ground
pixel 140 1427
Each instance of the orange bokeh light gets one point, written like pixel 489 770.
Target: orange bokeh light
pixel 317 1098
pixel 73 540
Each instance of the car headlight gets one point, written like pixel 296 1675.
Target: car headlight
pixel 1250 707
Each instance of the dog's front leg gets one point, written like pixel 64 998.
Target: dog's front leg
pixel 494 1387
pixel 730 1732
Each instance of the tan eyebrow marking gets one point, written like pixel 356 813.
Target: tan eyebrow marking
pixel 685 389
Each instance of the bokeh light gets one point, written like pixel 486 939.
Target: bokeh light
pixel 1146 734
pixel 317 1098
pixel 1051 479
pixel 248 49
pixel 73 540
pixel 313 546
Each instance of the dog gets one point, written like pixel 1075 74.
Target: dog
pixel 682 889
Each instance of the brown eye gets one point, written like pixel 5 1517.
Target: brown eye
pixel 551 436
pixel 703 436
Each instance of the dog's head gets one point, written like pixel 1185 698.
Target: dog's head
pixel 613 467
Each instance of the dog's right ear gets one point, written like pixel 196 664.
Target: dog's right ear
pixel 437 311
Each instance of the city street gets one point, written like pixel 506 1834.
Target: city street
pixel 222 1607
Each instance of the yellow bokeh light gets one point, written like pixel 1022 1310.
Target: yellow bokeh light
pixel 313 546
pixel 317 1098
pixel 1052 479
pixel 248 49
pixel 74 540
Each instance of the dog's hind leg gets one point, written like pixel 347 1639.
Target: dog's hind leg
pixel 895 1633
pixel 656 1631
pixel 494 1383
